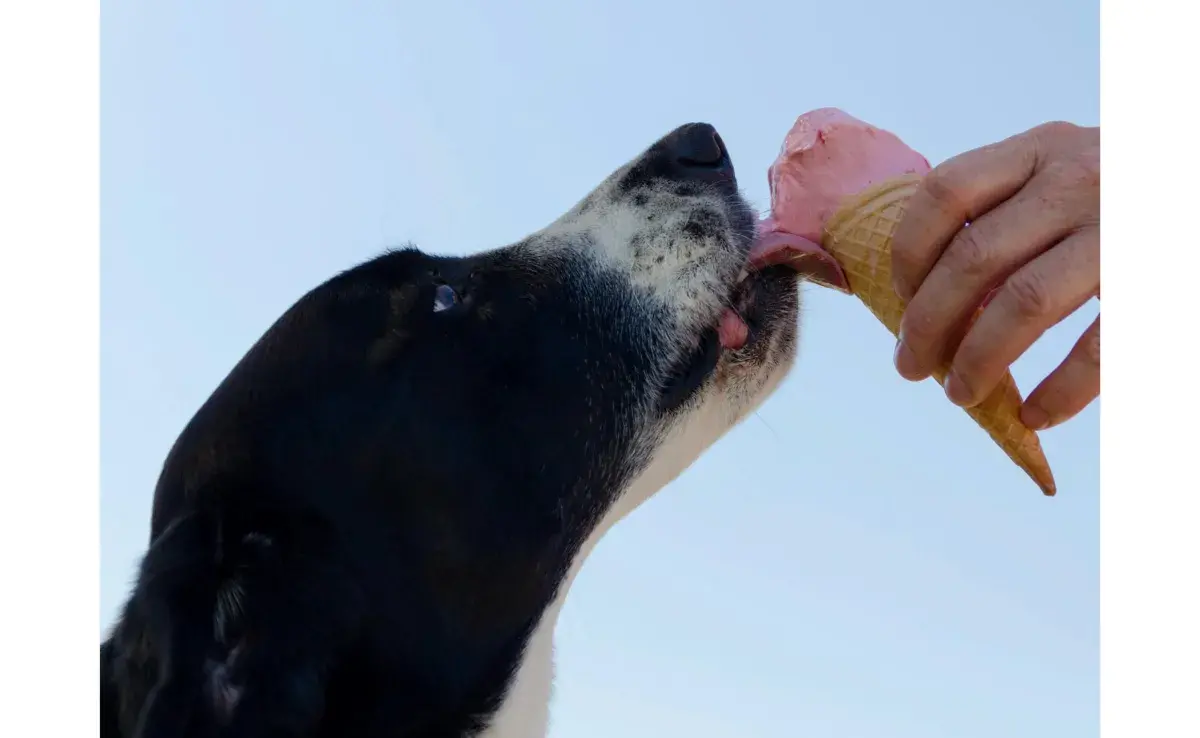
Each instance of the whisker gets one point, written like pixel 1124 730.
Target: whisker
pixel 758 415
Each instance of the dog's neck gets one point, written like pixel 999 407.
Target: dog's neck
pixel 525 711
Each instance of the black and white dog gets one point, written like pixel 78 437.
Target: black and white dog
pixel 370 527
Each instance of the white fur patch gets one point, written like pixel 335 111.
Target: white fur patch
pixel 646 242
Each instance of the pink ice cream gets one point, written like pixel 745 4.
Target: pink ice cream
pixel 826 157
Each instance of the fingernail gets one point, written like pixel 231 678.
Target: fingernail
pixel 901 290
pixel 906 363
pixel 1035 418
pixel 957 390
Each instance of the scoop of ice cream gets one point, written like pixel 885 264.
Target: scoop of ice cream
pixel 828 156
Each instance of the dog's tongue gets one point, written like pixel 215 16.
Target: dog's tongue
pixel 776 246
pixel 732 330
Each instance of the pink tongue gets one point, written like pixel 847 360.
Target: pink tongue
pixel 732 330
pixel 805 256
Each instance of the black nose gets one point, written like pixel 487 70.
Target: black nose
pixel 696 145
pixel 697 150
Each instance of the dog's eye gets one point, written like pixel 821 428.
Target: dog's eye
pixel 444 298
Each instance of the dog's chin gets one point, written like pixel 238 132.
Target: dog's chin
pixel 766 303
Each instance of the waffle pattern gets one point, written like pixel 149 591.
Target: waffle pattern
pixel 859 236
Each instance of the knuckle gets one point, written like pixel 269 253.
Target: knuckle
pixel 1089 349
pixel 1070 151
pixel 945 187
pixel 1030 295
pixel 972 258
pixel 1056 128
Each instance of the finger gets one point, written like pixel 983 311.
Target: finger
pixel 1033 299
pixel 1069 388
pixel 977 259
pixel 958 190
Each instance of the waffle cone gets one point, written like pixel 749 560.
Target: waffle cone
pixel 859 236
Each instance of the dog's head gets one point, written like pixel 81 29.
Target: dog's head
pixel 470 426
pixel 571 375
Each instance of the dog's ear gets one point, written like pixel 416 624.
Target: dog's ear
pixel 300 613
pixel 254 668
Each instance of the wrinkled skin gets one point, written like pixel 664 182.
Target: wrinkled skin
pixel 1030 256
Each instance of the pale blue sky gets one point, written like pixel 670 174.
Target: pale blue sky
pixel 858 560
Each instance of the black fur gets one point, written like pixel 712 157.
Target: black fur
pixel 358 531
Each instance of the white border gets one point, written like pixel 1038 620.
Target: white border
pixel 1150 496
pixel 49 365
pixel 49 327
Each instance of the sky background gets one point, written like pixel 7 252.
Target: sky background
pixel 858 559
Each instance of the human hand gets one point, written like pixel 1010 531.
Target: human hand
pixel 1029 258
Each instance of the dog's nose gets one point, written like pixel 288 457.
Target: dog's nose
pixel 696 145
pixel 697 150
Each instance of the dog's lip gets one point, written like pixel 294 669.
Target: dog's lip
pixel 732 328
pixel 771 247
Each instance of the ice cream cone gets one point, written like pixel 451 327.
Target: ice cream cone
pixel 859 236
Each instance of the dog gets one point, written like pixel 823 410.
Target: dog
pixel 371 525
